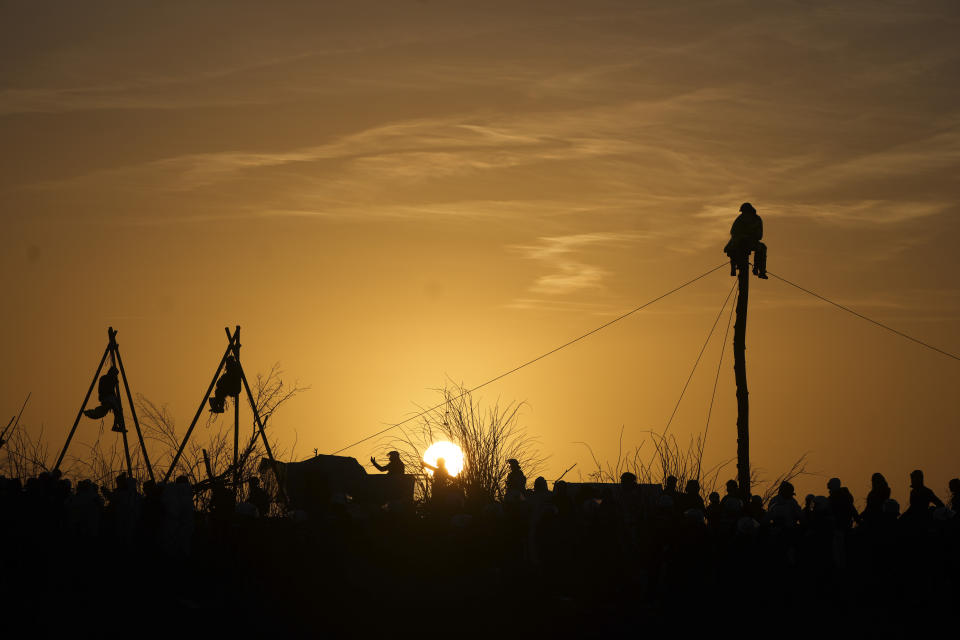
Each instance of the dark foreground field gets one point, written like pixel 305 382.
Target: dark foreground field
pixel 503 571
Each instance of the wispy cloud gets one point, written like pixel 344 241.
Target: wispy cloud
pixel 564 256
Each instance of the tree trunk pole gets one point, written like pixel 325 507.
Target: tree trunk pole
pixel 740 372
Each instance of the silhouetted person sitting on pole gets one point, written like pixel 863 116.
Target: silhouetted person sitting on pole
pixel 394 467
pixel 516 481
pixel 745 235
pixel 109 400
pixel 227 385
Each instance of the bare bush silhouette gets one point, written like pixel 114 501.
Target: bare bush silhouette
pixel 270 392
pixel 799 468
pixel 488 435
pixel 669 458
pixel 25 455
pixel 684 463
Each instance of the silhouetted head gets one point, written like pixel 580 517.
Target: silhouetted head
pixel 112 371
pixel 628 479
pixel 786 490
pixel 834 484
pixel 808 501
pixel 692 488
pixel 671 482
pixel 540 485
pixel 441 463
pixel 916 479
pixel 877 481
pixel 560 488
pixel 514 465
pixel 954 485
pixel 714 497
pixel 732 488
pixel 231 359
pixel 748 209
pixel 393 456
pixel 182 480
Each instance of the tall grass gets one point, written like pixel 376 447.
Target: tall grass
pixel 488 435
pixel 667 456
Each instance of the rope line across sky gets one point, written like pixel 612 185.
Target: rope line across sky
pixel 630 313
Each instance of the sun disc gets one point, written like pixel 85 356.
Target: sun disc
pixel 452 456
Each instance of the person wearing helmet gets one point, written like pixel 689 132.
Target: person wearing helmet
pixel 108 393
pixel 745 236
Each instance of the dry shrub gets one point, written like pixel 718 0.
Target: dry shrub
pixel 488 436
pixel 668 458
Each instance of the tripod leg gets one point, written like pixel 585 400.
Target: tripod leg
pixel 250 446
pixel 236 444
pixel 133 414
pixel 263 436
pixel 126 453
pixel 3 434
pixel 234 338
pixel 118 410
pixel 86 398
pixel 203 403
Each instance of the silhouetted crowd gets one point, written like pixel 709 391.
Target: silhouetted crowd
pixel 582 556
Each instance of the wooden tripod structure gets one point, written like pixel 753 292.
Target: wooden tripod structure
pixel 12 425
pixel 233 348
pixel 113 351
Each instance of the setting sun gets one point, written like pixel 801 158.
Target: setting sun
pixel 452 456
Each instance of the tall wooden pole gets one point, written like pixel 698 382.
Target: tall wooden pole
pixel 236 419
pixel 740 372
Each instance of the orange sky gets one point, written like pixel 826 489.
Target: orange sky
pixel 389 193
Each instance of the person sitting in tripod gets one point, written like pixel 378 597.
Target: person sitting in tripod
pixel 745 235
pixel 227 385
pixel 107 391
